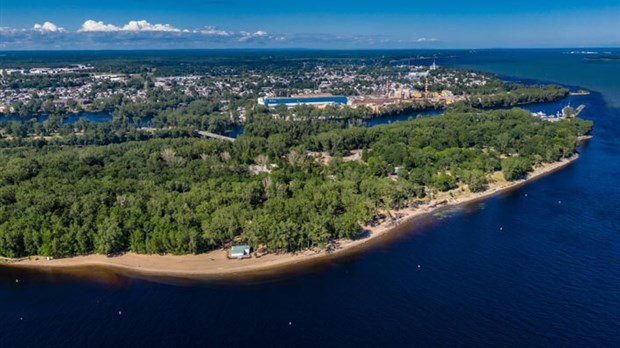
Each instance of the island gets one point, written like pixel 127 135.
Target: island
pixel 165 188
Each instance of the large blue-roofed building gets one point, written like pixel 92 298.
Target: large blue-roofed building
pixel 321 100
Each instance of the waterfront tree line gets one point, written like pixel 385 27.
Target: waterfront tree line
pixel 174 113
pixel 184 195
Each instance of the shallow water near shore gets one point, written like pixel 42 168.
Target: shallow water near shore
pixel 536 266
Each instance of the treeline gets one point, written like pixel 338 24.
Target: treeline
pixel 56 132
pixel 506 96
pixel 44 81
pixel 513 95
pixel 169 63
pixel 188 195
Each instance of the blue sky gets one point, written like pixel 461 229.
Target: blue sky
pixel 73 24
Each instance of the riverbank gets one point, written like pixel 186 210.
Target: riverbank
pixel 216 263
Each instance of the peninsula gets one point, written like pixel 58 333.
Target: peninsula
pixel 292 199
pixel 286 159
pixel 217 264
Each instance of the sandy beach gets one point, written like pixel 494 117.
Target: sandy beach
pixel 216 263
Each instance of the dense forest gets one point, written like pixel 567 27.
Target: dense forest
pixel 188 195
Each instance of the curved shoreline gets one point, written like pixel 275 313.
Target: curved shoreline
pixel 215 264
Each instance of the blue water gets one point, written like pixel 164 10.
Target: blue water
pixel 548 66
pixel 69 118
pixel 538 266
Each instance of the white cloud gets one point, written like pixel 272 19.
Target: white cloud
pixel 146 26
pixel 213 31
pixel 426 39
pixel 91 25
pixel 153 35
pixel 245 36
pixel 47 27
pixel 99 26
pixel 7 30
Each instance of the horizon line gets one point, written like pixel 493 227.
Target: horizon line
pixel 306 49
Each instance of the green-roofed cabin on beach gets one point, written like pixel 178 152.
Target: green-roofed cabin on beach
pixel 239 251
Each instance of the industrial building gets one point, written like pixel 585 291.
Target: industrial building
pixel 314 100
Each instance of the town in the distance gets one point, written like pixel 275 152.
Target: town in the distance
pixel 374 89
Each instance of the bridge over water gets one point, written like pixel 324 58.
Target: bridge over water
pixel 206 134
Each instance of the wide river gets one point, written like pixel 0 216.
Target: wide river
pixel 538 266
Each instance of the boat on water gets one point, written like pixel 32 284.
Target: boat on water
pixel 580 92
